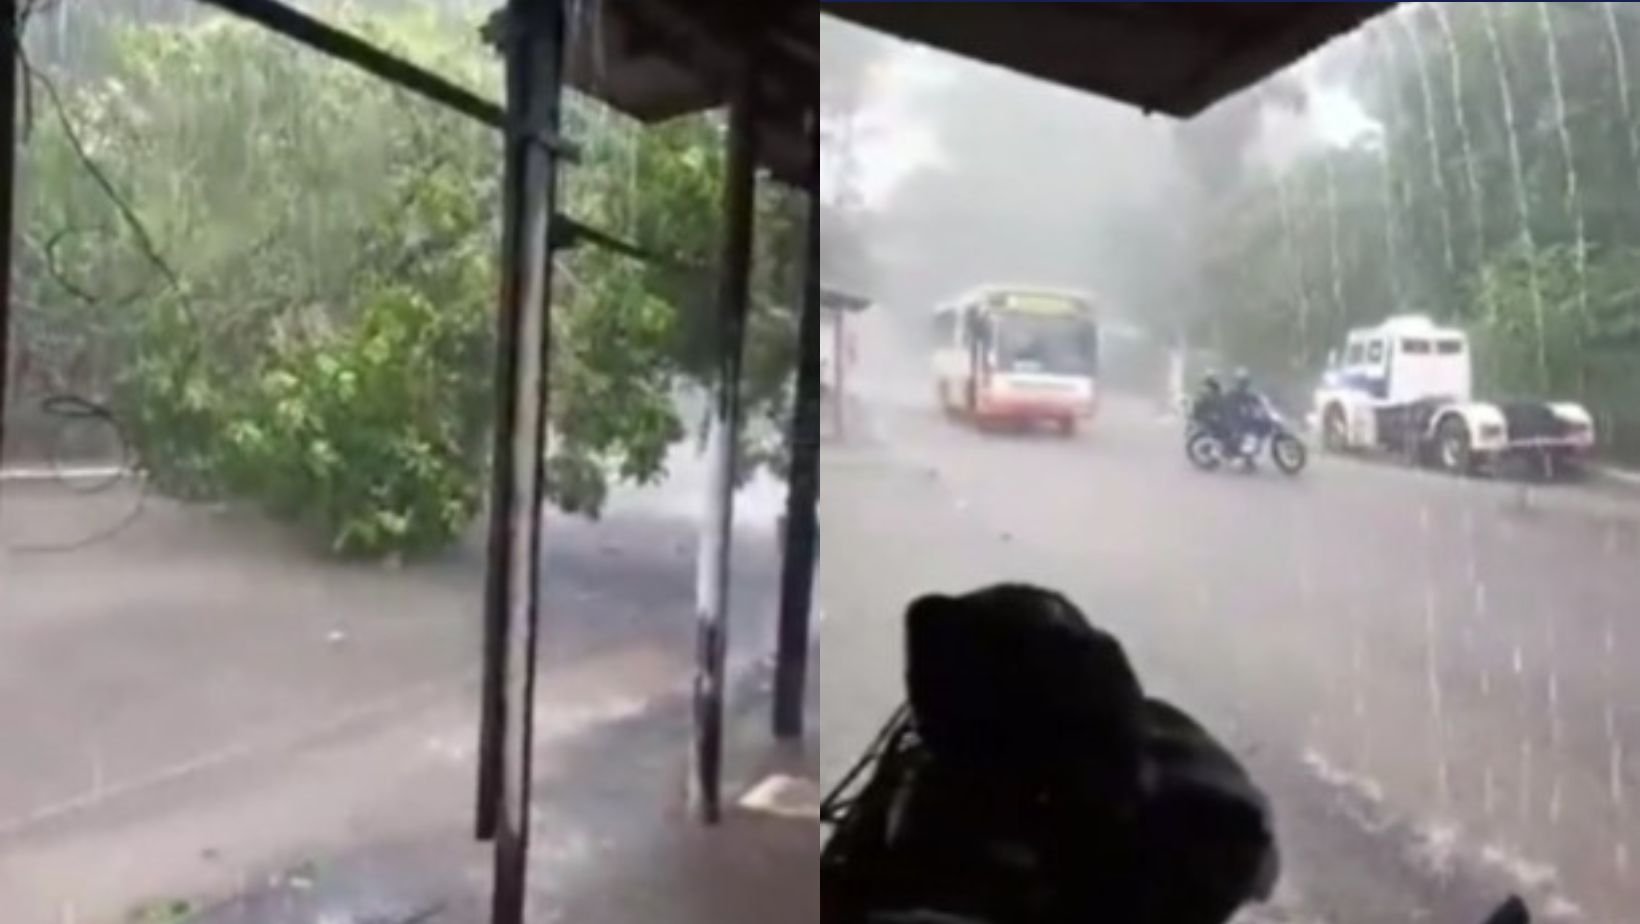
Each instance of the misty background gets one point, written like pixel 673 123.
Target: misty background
pixel 940 173
pixel 1475 162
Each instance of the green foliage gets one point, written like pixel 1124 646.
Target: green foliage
pixel 305 318
pixel 1431 213
pixel 368 434
pixel 175 403
pixel 168 911
pixel 1590 338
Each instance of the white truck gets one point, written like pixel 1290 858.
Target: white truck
pixel 1405 386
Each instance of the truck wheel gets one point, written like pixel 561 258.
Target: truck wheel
pixel 1335 431
pixel 1455 451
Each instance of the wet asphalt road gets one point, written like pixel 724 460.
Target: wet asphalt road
pixel 1434 678
pixel 195 700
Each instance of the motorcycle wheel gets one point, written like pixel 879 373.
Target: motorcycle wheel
pixel 1289 454
pixel 1204 451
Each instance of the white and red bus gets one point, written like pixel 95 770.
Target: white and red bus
pixel 1018 355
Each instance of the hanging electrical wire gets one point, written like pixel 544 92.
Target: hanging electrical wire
pixel 70 409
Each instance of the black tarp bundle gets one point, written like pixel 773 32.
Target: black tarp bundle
pixel 1030 780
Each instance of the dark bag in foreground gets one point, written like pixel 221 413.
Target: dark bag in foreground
pixel 1031 781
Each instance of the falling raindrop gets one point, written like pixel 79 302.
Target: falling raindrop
pixel 1331 174
pixel 1489 791
pixel 1625 96
pixel 1525 782
pixel 1385 56
pixel 1475 627
pixel 1616 747
pixel 634 209
pixel 1294 257
pixel 1362 658
pixel 1552 706
pixel 1574 204
pixel 1437 712
pixel 1460 118
pixel 1431 137
pixel 1517 171
pixel 1615 741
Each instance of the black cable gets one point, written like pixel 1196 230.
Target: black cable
pixel 67 406
pixel 126 521
pixel 145 241
pixel 837 804
pixel 70 408
pixel 55 271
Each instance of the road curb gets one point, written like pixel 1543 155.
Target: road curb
pixel 25 474
pixel 1589 500
pixel 1619 475
pixel 1603 494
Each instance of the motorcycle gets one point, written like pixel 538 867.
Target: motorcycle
pixel 1264 429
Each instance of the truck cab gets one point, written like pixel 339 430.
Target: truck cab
pixel 1407 386
pixel 1404 361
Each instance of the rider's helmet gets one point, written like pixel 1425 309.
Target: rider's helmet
pixel 1243 381
pixel 1210 383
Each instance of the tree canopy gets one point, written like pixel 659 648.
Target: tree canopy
pixel 281 273
pixel 1497 193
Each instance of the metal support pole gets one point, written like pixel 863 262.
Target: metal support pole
pixel 533 43
pixel 802 540
pixel 712 576
pixel 8 192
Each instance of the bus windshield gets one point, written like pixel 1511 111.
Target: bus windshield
pixel 1045 344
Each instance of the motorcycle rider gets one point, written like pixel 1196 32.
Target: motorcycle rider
pixel 1213 410
pixel 1244 409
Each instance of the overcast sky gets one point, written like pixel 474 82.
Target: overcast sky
pixel 894 141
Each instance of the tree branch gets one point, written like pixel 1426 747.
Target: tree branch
pixel 145 241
